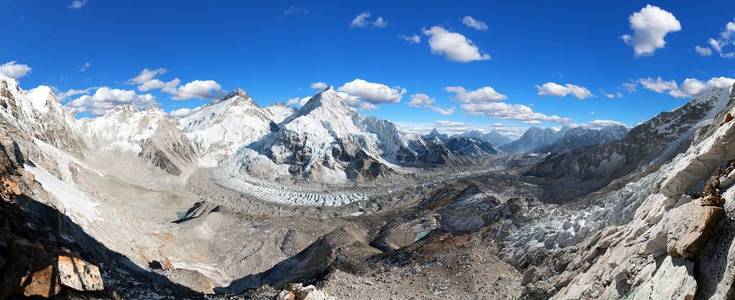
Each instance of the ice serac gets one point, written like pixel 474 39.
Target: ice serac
pixel 227 123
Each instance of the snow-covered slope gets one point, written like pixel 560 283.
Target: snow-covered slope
pixel 149 134
pixel 653 142
pixel 492 137
pixel 322 142
pixel 226 124
pixel 581 136
pixel 39 113
pixel 279 112
pixel 532 139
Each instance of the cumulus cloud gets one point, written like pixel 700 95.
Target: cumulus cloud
pixel 105 98
pixel 725 39
pixel 73 92
pixel 558 90
pixel 474 23
pixel 453 46
pixel 413 39
pixel 375 93
pixel 77 4
pixel 519 112
pixel 689 88
pixel 155 84
pixel 483 94
pixel 657 84
pixel 319 86
pixel 650 26
pixel 424 100
pixel 147 75
pixel 612 95
pixel 184 112
pixel 197 89
pixel 703 51
pixel 14 70
pixel 298 102
pixel 362 20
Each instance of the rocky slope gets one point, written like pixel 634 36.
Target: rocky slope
pixel 532 139
pixel 646 146
pixel 149 134
pixel 578 137
pixel 494 138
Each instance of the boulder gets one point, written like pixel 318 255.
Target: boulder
pixel 79 274
pixel 41 283
pixel 690 226
pixel 299 292
pixel 673 280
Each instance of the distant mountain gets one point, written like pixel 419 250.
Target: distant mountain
pixel 149 134
pixel 492 137
pixel 577 137
pixel 645 146
pixel 328 141
pixel 534 138
pixel 227 123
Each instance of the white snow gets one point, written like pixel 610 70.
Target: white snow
pixel 78 206
pixel 123 128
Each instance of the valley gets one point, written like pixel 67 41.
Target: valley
pixel 240 201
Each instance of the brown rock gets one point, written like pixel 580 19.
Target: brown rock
pixel 79 274
pixel 42 283
pixel 690 227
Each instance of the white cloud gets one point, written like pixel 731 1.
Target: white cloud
pixel 630 87
pixel 296 101
pixel 612 95
pixel 650 26
pixel 374 93
pixel 454 46
pixel 363 20
pixel 319 86
pixel 295 10
pixel 558 90
pixel 184 112
pixel 77 4
pixel 155 84
pixel 726 39
pixel 413 39
pixel 474 23
pixel 85 67
pixel 689 88
pixel 197 89
pixel 483 94
pixel 519 112
pixel 703 51
pixel 454 127
pixel 424 100
pixel 14 70
pixel 147 75
pixel 105 98
pixel 73 92
pixel 604 123
pixel 657 84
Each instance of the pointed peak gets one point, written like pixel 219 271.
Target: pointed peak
pixel 236 93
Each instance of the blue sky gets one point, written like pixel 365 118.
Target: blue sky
pixel 276 49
